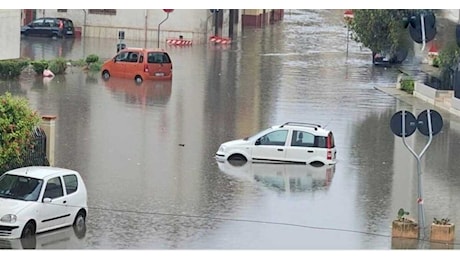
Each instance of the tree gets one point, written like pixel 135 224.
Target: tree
pixel 382 31
pixel 17 121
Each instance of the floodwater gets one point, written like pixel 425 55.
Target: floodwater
pixel 146 152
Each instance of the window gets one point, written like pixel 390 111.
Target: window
pixel 103 11
pixel 300 138
pixel 71 183
pixel 37 23
pixel 158 57
pixel 53 188
pixel 49 23
pixel 274 138
pixel 123 56
pixel 133 56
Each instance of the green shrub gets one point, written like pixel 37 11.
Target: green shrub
pixel 10 69
pixel 58 66
pixel 17 121
pixel 96 66
pixel 39 66
pixel 408 85
pixel 92 58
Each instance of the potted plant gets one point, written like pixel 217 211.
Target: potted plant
pixel 442 230
pixel 404 227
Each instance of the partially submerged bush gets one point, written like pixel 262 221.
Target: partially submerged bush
pixel 39 66
pixel 92 58
pixel 58 66
pixel 10 69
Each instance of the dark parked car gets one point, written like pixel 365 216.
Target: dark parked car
pixel 49 27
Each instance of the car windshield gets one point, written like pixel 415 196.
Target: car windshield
pixel 20 187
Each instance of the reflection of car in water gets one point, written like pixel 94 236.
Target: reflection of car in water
pixel 283 177
pixel 44 48
pixel 64 238
pixel 150 93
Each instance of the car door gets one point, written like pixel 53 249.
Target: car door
pixel 302 147
pixel 271 147
pixel 53 210
pixel 118 67
pixel 36 28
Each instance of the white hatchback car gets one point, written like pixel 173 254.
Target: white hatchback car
pixel 36 199
pixel 291 142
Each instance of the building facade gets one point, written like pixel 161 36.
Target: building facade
pixel 196 25
pixel 10 42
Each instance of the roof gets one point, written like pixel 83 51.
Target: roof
pixel 144 49
pixel 39 172
pixel 309 127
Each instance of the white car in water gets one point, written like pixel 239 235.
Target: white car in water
pixel 36 199
pixel 291 142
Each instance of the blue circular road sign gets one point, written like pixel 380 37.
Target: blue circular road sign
pixel 410 123
pixel 436 122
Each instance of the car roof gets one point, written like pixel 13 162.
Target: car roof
pixel 144 49
pixel 308 127
pixel 40 172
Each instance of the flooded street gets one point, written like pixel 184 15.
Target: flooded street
pixel 146 153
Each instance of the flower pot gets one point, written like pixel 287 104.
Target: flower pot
pixel 404 229
pixel 442 233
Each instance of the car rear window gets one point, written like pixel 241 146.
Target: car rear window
pixel 68 23
pixel 322 141
pixel 158 57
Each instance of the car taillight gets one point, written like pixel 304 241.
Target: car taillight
pixel 329 146
pixel 146 68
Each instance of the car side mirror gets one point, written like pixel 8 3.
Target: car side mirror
pixel 257 142
pixel 46 200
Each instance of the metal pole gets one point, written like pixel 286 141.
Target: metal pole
pixel 167 15
pixel 216 29
pixel 422 22
pixel 421 213
pixel 348 36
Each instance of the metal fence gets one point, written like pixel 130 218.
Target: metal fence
pixel 36 155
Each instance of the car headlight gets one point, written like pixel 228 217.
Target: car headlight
pixel 9 218
pixel 221 149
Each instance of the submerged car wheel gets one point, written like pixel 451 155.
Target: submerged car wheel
pixel 29 230
pixel 79 224
pixel 138 79
pixel 105 75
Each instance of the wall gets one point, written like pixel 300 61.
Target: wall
pixel 142 24
pixel 10 31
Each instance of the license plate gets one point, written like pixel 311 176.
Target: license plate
pixel 69 32
pixel 159 74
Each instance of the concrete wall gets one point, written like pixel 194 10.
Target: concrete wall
pixel 451 14
pixel 10 31
pixel 141 24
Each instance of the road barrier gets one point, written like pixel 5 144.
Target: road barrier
pixel 178 42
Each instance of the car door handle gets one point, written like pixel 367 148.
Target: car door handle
pixel 280 150
pixel 310 151
pixel 65 201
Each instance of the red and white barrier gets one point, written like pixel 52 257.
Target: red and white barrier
pixel 220 40
pixel 178 42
